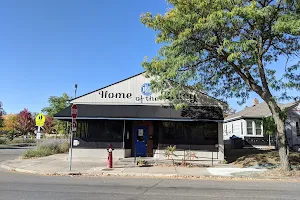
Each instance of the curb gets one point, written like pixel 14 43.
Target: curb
pixel 145 175
pixel 9 168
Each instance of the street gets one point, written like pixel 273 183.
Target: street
pixel 23 186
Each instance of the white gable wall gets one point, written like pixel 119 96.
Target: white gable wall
pixel 236 128
pixel 292 133
pixel 129 92
pixel 239 129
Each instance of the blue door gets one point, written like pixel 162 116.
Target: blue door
pixel 140 138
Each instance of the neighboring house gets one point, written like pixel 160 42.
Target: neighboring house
pixel 247 124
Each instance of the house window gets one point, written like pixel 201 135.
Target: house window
pixel 297 129
pixel 242 131
pixel 258 128
pixel 249 128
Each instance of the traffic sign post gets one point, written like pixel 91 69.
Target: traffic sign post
pixel 74 126
pixel 39 122
pixel 74 112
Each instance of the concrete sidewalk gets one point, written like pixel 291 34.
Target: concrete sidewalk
pixel 58 165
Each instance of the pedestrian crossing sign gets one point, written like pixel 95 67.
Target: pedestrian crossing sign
pixel 40 120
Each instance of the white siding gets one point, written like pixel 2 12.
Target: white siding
pixel 239 129
pixel 132 87
pixel 291 131
pixel 290 127
pixel 233 128
pixel 254 134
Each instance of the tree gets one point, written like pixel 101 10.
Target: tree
pixel 1 115
pixel 269 126
pixel 57 104
pixel 227 48
pixel 49 126
pixel 1 121
pixel 9 122
pixel 25 123
pixel 227 111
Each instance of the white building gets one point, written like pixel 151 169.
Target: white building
pixel 129 116
pixel 247 124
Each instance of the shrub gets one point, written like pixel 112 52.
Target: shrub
pixel 47 150
pixel 3 141
pixel 20 140
pixel 170 152
pixel 10 135
pixel 64 147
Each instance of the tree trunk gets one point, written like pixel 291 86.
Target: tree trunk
pixel 282 142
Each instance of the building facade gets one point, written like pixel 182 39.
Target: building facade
pixel 132 118
pixel 248 125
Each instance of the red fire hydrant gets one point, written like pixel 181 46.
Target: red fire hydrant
pixel 110 157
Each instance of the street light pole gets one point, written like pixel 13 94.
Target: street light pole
pixel 71 135
pixel 75 89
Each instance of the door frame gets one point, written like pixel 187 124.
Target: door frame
pixel 149 125
pixel 145 135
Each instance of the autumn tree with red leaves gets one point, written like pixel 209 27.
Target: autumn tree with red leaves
pixel 49 126
pixel 25 123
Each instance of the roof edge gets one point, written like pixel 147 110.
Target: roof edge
pixel 221 101
pixel 108 86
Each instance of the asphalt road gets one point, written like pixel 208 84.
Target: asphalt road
pixel 22 186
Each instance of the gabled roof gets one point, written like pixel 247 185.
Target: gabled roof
pixel 203 93
pixel 258 111
pixel 108 85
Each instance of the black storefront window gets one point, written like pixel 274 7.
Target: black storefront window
pixel 114 130
pixel 192 133
pixel 104 131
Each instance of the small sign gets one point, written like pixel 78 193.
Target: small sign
pixel 40 120
pixel 146 89
pixel 75 143
pixel 141 132
pixel 74 111
pixel 74 126
pixel 38 136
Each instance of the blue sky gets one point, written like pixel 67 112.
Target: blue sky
pixel 48 46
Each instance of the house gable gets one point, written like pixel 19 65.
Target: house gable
pixel 135 91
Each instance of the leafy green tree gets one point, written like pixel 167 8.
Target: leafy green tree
pixel 57 104
pixel 269 126
pixel 227 111
pixel 1 121
pixel 227 48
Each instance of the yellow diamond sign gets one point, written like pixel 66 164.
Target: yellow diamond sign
pixel 40 120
